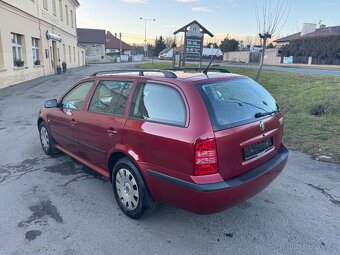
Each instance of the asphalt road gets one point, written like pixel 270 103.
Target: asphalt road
pixel 290 69
pixel 57 206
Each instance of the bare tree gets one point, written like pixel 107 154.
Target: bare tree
pixel 271 16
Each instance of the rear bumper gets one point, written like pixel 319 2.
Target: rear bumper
pixel 214 197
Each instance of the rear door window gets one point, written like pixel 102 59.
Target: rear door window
pixel 235 102
pixel 159 103
pixel 110 97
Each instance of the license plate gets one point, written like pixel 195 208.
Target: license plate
pixel 256 149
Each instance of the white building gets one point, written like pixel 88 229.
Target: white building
pixel 34 36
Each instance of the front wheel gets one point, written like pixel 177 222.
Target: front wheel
pixel 130 190
pixel 46 139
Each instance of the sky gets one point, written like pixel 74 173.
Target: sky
pixel 235 18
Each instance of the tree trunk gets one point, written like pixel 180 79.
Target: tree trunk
pixel 258 75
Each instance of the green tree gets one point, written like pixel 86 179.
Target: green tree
pixel 159 45
pixel 229 45
pixel 270 46
pixel 214 44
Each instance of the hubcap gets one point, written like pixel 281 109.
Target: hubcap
pixel 45 142
pixel 127 189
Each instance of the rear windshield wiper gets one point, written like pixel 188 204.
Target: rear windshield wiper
pixel 262 114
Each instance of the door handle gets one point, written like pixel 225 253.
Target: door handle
pixel 73 122
pixel 112 131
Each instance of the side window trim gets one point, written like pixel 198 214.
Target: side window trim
pixel 60 102
pixel 128 82
pixel 135 97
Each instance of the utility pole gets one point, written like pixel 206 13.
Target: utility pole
pixel 120 46
pixel 145 41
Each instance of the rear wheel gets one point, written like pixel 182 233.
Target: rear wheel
pixel 130 190
pixel 46 139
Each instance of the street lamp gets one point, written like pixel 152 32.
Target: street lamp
pixel 145 41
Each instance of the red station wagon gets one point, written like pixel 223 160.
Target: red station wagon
pixel 201 141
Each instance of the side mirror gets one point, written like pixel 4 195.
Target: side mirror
pixel 52 103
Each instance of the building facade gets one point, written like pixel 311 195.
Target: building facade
pixel 93 40
pixel 35 37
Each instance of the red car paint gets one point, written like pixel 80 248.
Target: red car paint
pixel 165 154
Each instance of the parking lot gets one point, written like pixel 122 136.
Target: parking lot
pixel 58 206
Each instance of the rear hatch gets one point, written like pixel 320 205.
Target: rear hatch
pixel 247 123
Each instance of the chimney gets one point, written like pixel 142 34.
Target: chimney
pixel 308 28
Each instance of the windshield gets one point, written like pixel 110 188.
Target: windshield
pixel 236 102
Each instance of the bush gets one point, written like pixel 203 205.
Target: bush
pixel 324 48
pixel 19 62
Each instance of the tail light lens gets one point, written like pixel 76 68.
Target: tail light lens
pixel 205 158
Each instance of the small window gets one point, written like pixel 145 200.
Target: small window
pixel 45 5
pixel 76 97
pixel 110 97
pixel 72 22
pixel 61 10
pixel 66 15
pixel 17 49
pixel 159 103
pixel 54 7
pixel 35 51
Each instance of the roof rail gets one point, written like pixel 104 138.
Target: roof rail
pixel 197 69
pixel 167 73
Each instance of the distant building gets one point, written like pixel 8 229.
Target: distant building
pixel 34 36
pixel 309 30
pixel 94 41
pixel 115 45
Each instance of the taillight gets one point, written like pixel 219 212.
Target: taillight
pixel 205 158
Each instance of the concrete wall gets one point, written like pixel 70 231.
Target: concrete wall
pixel 95 53
pixel 237 56
pixel 31 20
pixel 271 57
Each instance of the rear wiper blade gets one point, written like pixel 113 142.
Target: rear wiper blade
pixel 262 114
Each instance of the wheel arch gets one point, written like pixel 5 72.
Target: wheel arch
pixel 40 119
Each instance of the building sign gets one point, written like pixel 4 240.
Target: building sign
pixel 193 42
pixel 53 37
pixel 193 50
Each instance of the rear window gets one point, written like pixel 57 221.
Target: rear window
pixel 235 102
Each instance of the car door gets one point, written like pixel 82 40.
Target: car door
pixel 101 126
pixel 63 122
pixel 157 127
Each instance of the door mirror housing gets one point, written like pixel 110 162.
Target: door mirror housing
pixel 52 103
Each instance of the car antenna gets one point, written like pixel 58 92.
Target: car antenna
pixel 205 71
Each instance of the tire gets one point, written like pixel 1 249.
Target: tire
pixel 130 190
pixel 46 140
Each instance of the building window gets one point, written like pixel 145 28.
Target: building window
pixel 45 4
pixel 17 49
pixel 64 52
pixel 61 10
pixel 74 54
pixel 1 54
pixel 35 51
pixel 72 23
pixel 66 14
pixel 54 6
pixel 69 54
